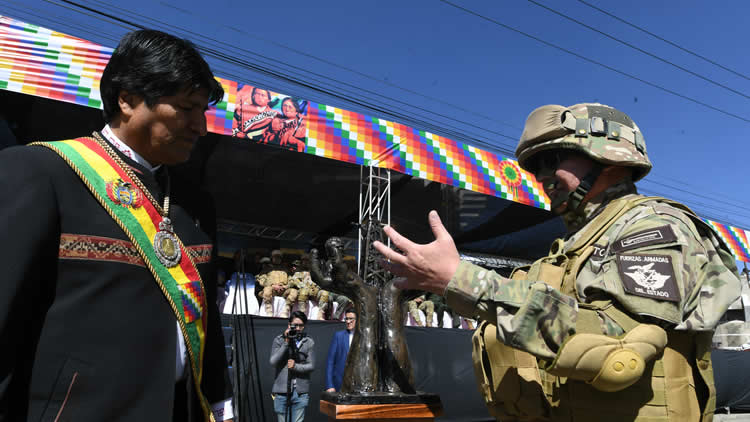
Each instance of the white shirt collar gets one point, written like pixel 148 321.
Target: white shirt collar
pixel 125 149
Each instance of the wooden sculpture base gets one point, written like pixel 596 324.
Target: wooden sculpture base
pixel 381 407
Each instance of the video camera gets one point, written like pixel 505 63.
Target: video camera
pixel 294 332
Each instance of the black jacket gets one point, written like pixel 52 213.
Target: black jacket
pixel 85 332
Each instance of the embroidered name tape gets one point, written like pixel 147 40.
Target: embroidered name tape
pixel 649 276
pixel 655 236
pixel 599 253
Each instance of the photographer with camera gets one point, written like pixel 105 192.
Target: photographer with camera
pixel 294 359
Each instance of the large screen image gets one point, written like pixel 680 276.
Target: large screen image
pixel 269 118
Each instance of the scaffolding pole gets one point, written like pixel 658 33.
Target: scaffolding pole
pixel 374 214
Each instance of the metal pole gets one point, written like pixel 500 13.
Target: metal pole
pixel 359 223
pixel 388 222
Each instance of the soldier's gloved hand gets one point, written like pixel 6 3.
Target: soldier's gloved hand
pixel 609 364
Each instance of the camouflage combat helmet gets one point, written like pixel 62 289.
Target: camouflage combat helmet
pixel 605 134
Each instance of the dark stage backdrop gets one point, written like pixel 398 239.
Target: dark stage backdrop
pixel 441 359
pixel 730 374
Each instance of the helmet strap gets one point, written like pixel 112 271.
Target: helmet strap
pixel 575 198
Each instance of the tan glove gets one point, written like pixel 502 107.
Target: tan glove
pixel 609 364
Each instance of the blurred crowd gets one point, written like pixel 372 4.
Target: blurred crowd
pixel 277 283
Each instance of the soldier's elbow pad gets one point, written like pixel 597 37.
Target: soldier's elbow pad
pixel 609 364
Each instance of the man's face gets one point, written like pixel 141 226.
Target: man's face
pixel 171 127
pixel 260 97
pixel 350 319
pixel 297 323
pixel 560 173
pixel 276 259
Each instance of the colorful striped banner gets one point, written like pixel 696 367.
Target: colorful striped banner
pixel 734 237
pixel 38 61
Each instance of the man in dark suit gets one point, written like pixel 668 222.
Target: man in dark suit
pixel 338 351
pixel 102 317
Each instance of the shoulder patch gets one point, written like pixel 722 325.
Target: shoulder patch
pixel 599 253
pixel 654 236
pixel 649 276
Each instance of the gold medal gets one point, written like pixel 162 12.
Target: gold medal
pixel 166 246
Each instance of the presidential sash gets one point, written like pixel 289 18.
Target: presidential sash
pixel 140 219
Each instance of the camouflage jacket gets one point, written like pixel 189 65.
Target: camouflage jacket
pixel 652 261
pixel 301 280
pixel 273 278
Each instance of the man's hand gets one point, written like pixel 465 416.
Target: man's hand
pixel 331 390
pixel 290 364
pixel 422 267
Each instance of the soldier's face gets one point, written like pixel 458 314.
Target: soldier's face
pixel 563 177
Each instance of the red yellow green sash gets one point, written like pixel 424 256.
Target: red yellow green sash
pixel 139 218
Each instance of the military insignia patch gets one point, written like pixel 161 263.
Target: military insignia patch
pixel 123 193
pixel 655 236
pixel 600 252
pixel 649 276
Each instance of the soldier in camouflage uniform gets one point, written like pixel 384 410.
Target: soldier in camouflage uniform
pixel 302 281
pixel 275 283
pixel 616 321
pixel 439 306
pixel 261 277
pixel 420 303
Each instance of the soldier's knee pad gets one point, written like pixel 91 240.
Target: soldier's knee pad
pixel 267 294
pixel 303 295
pixel 291 295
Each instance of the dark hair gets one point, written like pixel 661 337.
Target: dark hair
pixel 294 102
pixel 298 314
pixel 252 94
pixel 350 311
pixel 153 64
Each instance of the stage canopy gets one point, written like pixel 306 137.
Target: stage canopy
pixel 45 63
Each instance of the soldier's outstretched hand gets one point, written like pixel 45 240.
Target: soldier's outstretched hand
pixel 423 267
